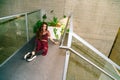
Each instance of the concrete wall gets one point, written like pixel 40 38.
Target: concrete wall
pixel 115 52
pixel 10 7
pixel 97 21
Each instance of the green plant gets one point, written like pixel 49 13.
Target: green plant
pixel 64 16
pixel 44 17
pixel 53 22
pixel 55 33
pixel 39 23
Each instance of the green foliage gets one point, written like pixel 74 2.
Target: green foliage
pixel 53 22
pixel 55 32
pixel 37 25
pixel 44 17
pixel 64 16
pixel 68 30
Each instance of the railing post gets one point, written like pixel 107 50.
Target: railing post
pixel 68 45
pixel 40 16
pixel 26 22
pixel 66 64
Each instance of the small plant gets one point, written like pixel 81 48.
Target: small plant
pixel 64 16
pixel 54 22
pixel 44 17
pixel 39 23
pixel 55 33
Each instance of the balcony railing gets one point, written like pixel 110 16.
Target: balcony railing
pixel 80 52
pixel 15 31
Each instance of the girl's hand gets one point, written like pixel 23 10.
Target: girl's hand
pixel 56 43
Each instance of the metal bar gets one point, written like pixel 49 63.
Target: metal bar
pixel 64 47
pixel 16 15
pixel 66 64
pixel 95 50
pixel 116 70
pixel 40 16
pixel 88 62
pixel 63 36
pixel 68 45
pixel 92 63
pixel 12 16
pixel 26 21
pixel 70 33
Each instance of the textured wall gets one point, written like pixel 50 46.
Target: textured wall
pixel 115 52
pixel 97 21
pixel 10 7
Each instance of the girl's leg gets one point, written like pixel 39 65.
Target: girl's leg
pixel 45 48
pixel 38 48
pixel 39 52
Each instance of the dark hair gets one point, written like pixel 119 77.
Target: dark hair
pixel 40 28
pixel 39 32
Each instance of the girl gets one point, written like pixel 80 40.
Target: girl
pixel 41 42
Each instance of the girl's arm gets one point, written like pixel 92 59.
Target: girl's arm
pixel 49 36
pixel 53 40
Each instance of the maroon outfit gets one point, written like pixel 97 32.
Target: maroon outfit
pixel 42 45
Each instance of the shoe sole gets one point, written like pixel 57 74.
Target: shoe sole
pixel 31 59
pixel 26 55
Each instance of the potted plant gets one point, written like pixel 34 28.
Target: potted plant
pixel 54 25
pixel 39 23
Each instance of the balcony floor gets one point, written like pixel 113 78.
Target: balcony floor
pixel 49 67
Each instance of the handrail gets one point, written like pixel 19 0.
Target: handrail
pixel 64 47
pixel 75 52
pixel 92 63
pixel 66 64
pixel 7 19
pixel 72 34
pixel 95 50
pixel 17 15
pixel 63 35
pixel 68 44
pixel 70 31
pixel 68 48
pixel 116 70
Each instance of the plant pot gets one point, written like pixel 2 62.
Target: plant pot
pixel 55 32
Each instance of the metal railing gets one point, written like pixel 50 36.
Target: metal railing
pixel 20 26
pixel 68 45
pixel 68 48
pixel 16 16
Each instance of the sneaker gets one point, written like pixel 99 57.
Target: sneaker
pixel 26 56
pixel 31 58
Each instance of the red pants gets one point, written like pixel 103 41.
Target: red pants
pixel 42 45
